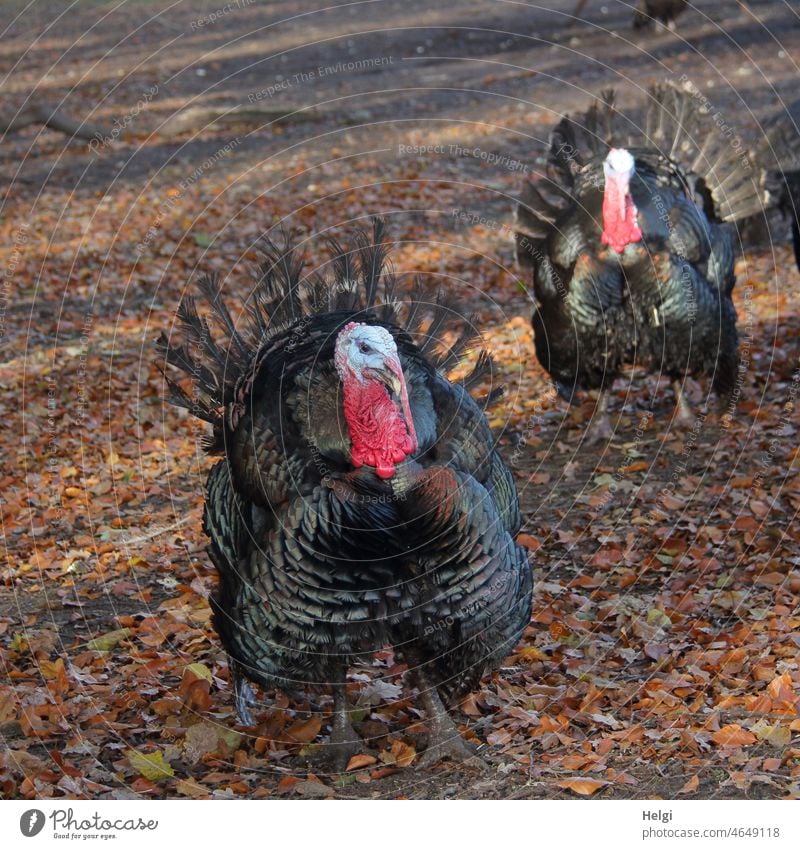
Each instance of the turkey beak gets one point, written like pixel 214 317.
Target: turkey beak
pixel 394 379
pixel 391 376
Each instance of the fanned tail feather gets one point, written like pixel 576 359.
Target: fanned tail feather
pixel 538 208
pixel 679 124
pixel 282 297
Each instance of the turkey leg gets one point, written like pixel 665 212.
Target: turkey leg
pixel 683 417
pixel 344 742
pixel 444 739
pixel 600 428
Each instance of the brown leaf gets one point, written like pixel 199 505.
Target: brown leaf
pixel 733 735
pixel 402 753
pixel 287 784
pixel 582 786
pixel 691 785
pixel 638 466
pixel 501 737
pixel 469 705
pixel 359 761
pixel 529 542
pixel 313 790
pixel 781 689
pixel 189 787
pixel 306 730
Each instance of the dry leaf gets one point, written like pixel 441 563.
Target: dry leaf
pixel 189 787
pixel 153 767
pixel 359 761
pixel 582 786
pixel 733 735
pixel 108 641
pixel 305 731
pixel 402 753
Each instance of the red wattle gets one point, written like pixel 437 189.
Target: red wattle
pixel 619 216
pixel 379 435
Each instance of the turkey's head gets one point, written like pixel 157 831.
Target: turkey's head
pixel 619 211
pixel 376 403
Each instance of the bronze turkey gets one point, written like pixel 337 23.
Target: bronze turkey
pixel 359 500
pixel 631 253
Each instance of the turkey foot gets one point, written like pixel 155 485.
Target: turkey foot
pixel 243 697
pixel 683 417
pixel 600 429
pixel 344 742
pixel 443 745
pixel 444 739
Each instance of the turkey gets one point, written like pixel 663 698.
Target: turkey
pixel 778 158
pixel 359 501
pixel 648 11
pixel 665 11
pixel 632 263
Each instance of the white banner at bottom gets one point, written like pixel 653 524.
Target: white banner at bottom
pixel 402 824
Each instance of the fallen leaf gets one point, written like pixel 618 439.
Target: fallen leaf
pixel 582 786
pixel 776 735
pixel 189 787
pixel 733 735
pixel 305 731
pixel 197 672
pixel 359 761
pixel 529 542
pixel 108 641
pixel 153 767
pixel 402 753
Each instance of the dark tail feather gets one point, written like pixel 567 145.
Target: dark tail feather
pixel 278 281
pixel 452 356
pixel 483 368
pixel 481 371
pixel 538 208
pixel 372 253
pixel 579 138
pixel 678 123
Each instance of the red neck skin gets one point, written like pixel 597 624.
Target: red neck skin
pixel 619 215
pixel 380 435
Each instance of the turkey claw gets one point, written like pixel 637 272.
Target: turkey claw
pixel 344 743
pixel 456 750
pixel 336 755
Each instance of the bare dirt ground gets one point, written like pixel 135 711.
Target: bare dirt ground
pixel 661 660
